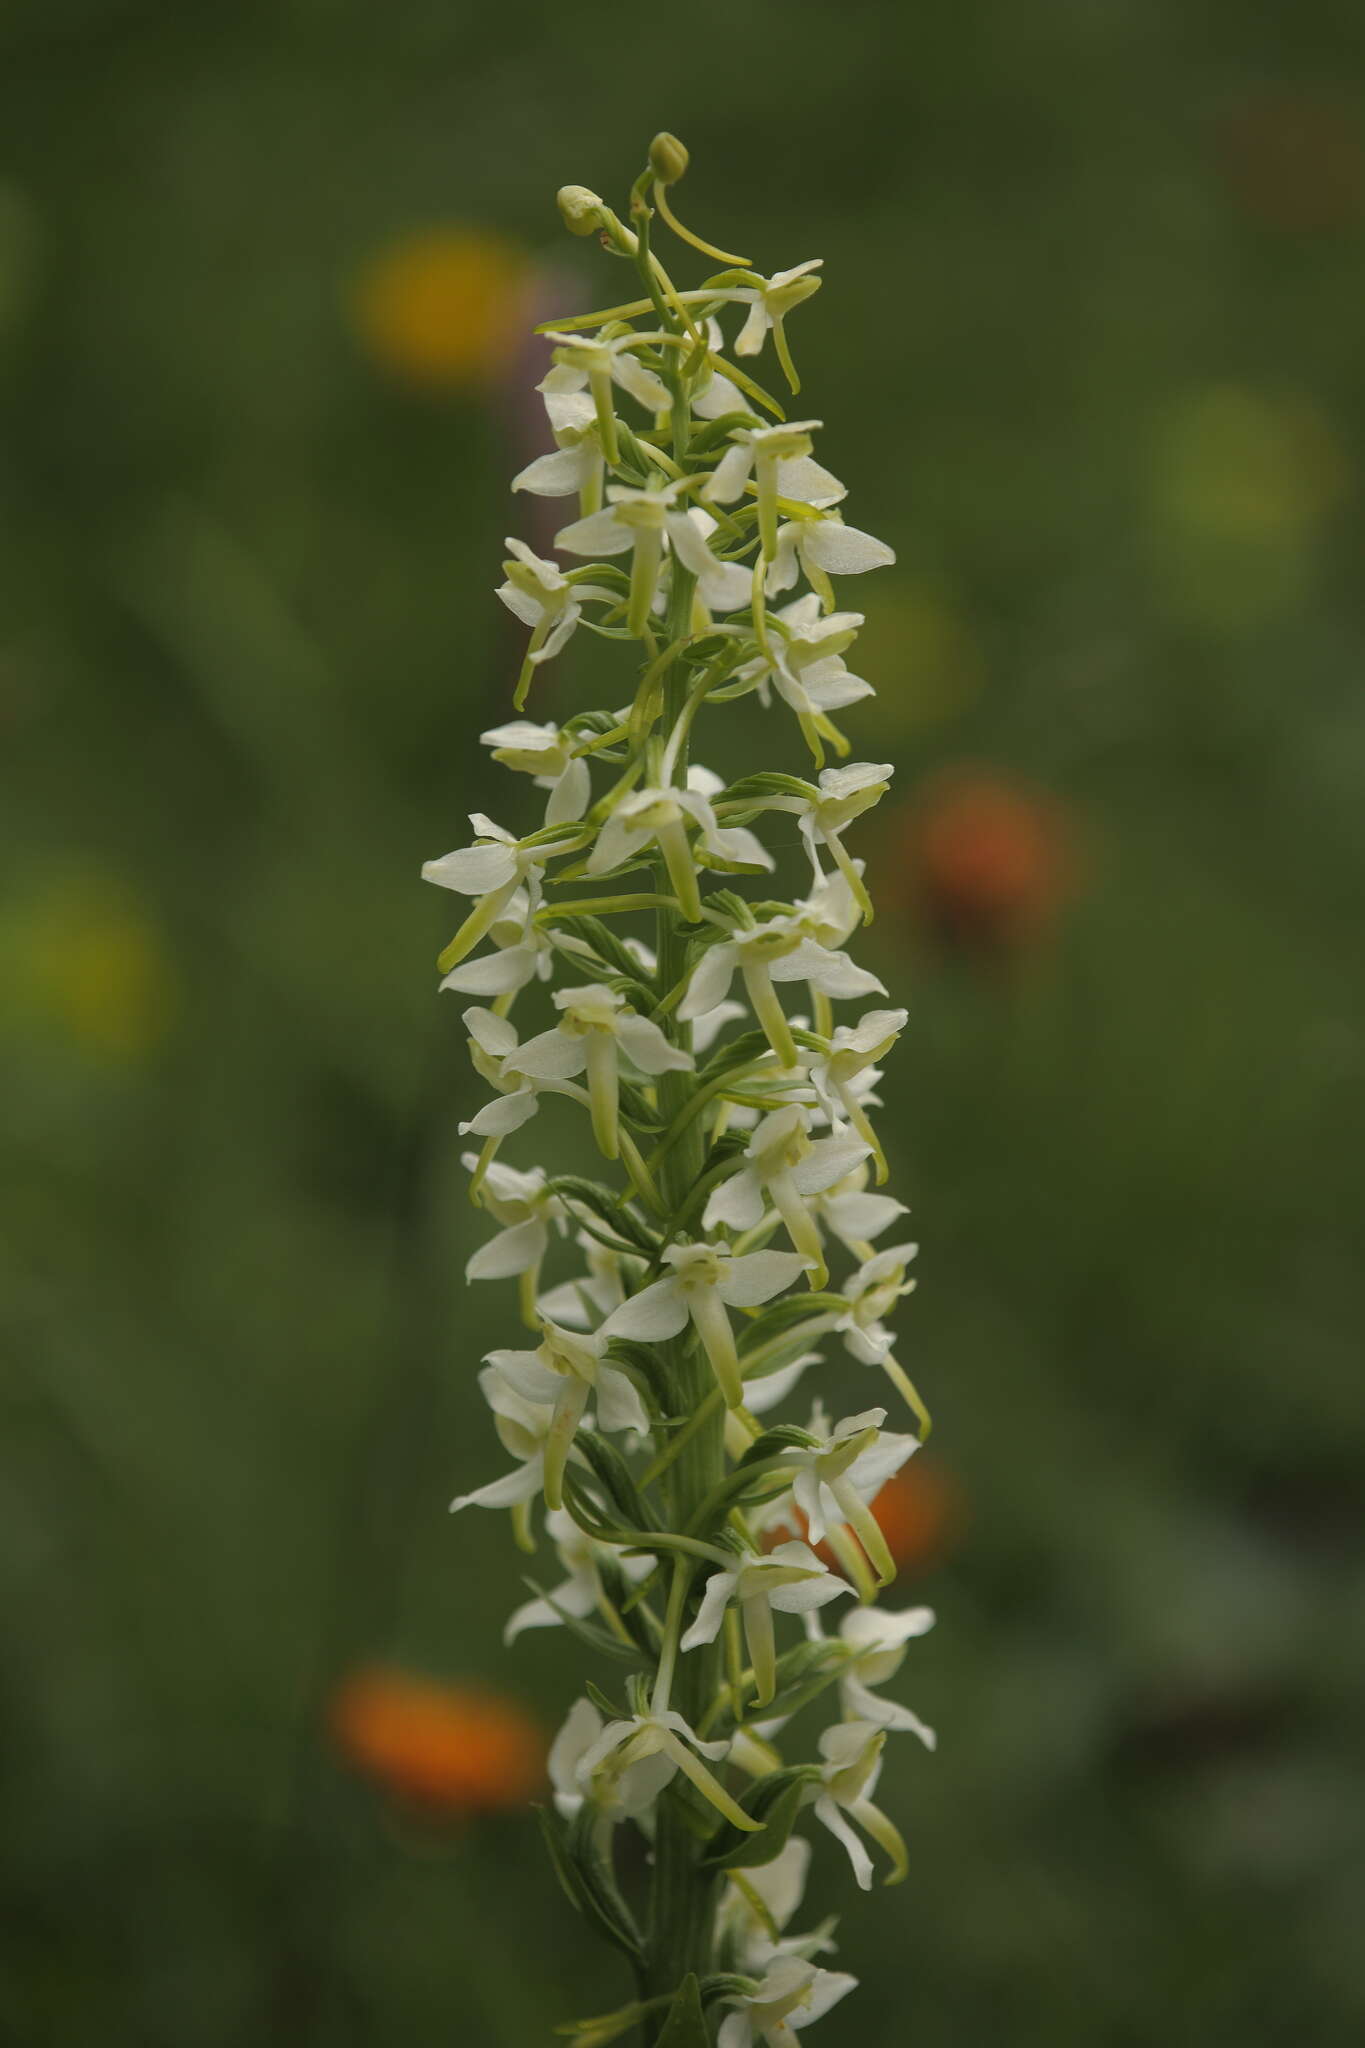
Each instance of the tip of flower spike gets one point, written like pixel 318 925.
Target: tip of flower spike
pixel 668 158
pixel 581 209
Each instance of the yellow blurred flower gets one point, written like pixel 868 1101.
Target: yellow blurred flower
pixel 83 956
pixel 923 655
pixel 438 307
pixel 1245 482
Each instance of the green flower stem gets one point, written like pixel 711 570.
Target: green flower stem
pixel 680 1930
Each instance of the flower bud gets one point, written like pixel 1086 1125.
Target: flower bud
pixel 582 209
pixel 668 158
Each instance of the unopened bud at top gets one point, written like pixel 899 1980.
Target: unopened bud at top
pixel 582 209
pixel 668 158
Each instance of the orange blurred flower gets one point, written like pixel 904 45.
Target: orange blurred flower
pixel 920 1511
pixel 990 858
pixel 448 1749
pixel 440 307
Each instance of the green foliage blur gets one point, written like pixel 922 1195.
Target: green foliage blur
pixel 1089 351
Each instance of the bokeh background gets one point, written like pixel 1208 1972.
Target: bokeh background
pixel 1091 353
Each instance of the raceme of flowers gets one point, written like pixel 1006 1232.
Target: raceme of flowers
pixel 723 1048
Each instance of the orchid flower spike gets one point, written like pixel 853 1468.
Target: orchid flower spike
pixel 715 1199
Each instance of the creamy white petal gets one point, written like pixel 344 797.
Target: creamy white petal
pixel 502 1116
pixel 618 1404
pixel 512 1251
pixel 550 1056
pixel 656 1312
pixel 494 974
pixel 571 794
pixel 758 1276
pixel 829 1815
pixel 601 533
pixel 647 1046
pixel 472 870
pixel 845 550
pixel 719 1591
pixel 732 473
pixel 557 475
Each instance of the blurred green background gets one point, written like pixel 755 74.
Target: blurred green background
pixel 1092 356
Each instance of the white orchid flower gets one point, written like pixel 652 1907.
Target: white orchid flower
pixel 704 1281
pixel 776 950
pixel 491 1040
pixel 714 394
pixel 660 816
pixel 523 1428
pixel 852 1751
pixel 842 794
pixel 854 1050
pixel 540 594
pixel 834 1482
pixel 792 1994
pixel 576 464
pixel 845 793
pixel 878 1641
pixel 631 520
pixel 564 1369
pixel 524 1205
pixel 760 1902
pixel 721 586
pixel 782 1166
pixel 494 869
pixel 821 548
pixel 622 1745
pixel 547 754
pixel 790 1580
pixel 581 1591
pixel 769 302
pixel 596 1027
pixel 780 462
pixel 525 953
pixel 854 1216
pixel 599 363
pixel 803 661
pixel 871 1293
pixel 628 1792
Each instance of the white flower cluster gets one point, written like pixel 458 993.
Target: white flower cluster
pixel 737 1158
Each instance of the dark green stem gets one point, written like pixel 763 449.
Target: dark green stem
pixel 682 1904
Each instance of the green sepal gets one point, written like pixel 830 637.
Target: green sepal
pixel 601 938
pixel 782 1436
pixel 727 904
pixel 775 1800
pixel 786 1315
pixel 638 1112
pixel 572 1187
pixel 588 1884
pixel 686 2025
pixel 717 432
pixel 769 783
pixel 613 1475
pixel 642 1363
